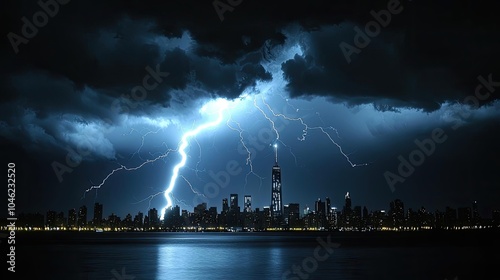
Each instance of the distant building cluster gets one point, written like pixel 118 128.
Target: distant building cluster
pixel 233 218
pixel 270 218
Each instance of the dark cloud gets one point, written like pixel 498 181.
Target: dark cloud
pixel 422 59
pixel 75 79
pixel 429 53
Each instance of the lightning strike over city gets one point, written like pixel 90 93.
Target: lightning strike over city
pixel 220 106
pixel 250 140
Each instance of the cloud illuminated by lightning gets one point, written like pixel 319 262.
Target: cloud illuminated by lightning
pixel 220 105
pixel 305 130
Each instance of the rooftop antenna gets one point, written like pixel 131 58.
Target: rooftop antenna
pixel 276 152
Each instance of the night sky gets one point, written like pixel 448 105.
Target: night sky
pixel 114 85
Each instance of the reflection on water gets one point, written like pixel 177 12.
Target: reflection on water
pixel 197 261
pixel 240 256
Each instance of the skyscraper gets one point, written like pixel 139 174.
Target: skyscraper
pixel 82 216
pixel 475 213
pixel 225 205
pixel 97 215
pixel 276 198
pixel 347 211
pixel 233 200
pixel 153 217
pixel 320 212
pixel 72 218
pixel 234 211
pixel 347 201
pixel 397 213
pixel 51 219
pixel 247 204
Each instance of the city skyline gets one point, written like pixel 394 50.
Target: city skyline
pixel 225 207
pixel 276 139
pixel 275 202
pixel 396 215
pixel 372 102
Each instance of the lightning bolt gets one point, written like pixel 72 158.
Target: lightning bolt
pixel 220 106
pixel 306 129
pixel 249 155
pixel 143 136
pixel 123 167
pixel 273 125
pixel 192 188
pixel 184 143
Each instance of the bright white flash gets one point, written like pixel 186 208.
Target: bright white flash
pixel 218 105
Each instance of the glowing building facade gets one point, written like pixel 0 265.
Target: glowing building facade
pixel 276 194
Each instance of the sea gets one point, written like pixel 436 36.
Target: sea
pixel 256 255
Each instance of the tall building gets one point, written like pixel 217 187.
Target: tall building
pixel 464 216
pixel 154 220
pixel 234 211
pixel 233 199
pixel 225 205
pixel 397 213
pixel 51 219
pixel 97 215
pixel 276 195
pixel 475 213
pixel 138 220
pixel 328 205
pixel 348 201
pixel 172 216
pixel 247 204
pixel 347 211
pixel 72 218
pixel 82 216
pixel 293 215
pixel 60 220
pixel 320 212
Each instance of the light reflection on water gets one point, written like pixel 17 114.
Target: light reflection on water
pixel 238 256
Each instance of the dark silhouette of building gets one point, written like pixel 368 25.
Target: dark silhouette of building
pixel 356 217
pixel 293 215
pixel 128 223
pixel 234 202
pixel 320 210
pixel 60 220
pixel 72 218
pixel 397 213
pixel 172 216
pixel 464 216
pixel 450 217
pixel 138 220
pixel 97 221
pixel 114 221
pixel 328 212
pixel 247 204
pixel 82 216
pixel 234 211
pixel 347 211
pixel 495 215
pixel 51 219
pixel 223 218
pixel 476 219
pixel 212 217
pixel 276 192
pixel 225 205
pixel 154 220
